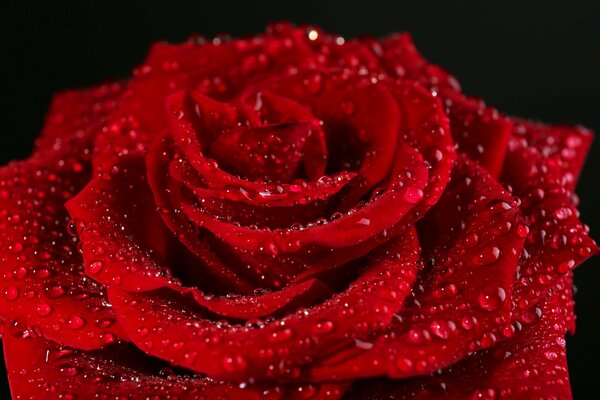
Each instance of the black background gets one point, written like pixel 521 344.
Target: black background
pixel 534 59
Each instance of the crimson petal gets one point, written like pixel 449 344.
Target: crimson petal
pixel 479 131
pixel 43 274
pixel 530 365
pixel 118 251
pixel 42 369
pixel 42 269
pixel 474 241
pixel 165 328
pixel 401 58
pixel 541 176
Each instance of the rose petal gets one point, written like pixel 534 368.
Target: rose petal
pixel 265 107
pixel 473 244
pixel 41 369
pixel 193 132
pixel 119 252
pixel 530 365
pixel 479 131
pixel 74 118
pixel 165 327
pixel 263 305
pixel 361 120
pixel 219 68
pixel 557 241
pixel 349 229
pixel 125 242
pixel 559 146
pixel 401 58
pixel 43 275
pixel 169 199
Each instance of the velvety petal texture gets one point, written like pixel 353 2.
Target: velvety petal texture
pixel 290 215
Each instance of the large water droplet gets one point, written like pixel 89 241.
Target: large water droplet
pixel 492 298
pixel 323 327
pixel 489 256
pixel 235 363
pixel 44 309
pixel 413 195
pixel 75 322
pixel 566 266
pixel 11 293
pixel 282 335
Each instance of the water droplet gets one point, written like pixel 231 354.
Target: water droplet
pixel 471 239
pixel 418 336
pixel 11 293
pixel 73 225
pixel 484 394
pixel 95 267
pixel 492 298
pixel 404 364
pixel 55 291
pixel 363 345
pixel 282 335
pixel 75 322
pixel 364 221
pixel 522 231
pixel 68 369
pixel 487 340
pixel 108 338
pixel 413 195
pixel 44 309
pixel 16 247
pixel 468 322
pixel 312 34
pixel 489 256
pixel 442 329
pixel 324 327
pixel 562 213
pixel 307 391
pixel 566 266
pixel 235 363
pixel 21 272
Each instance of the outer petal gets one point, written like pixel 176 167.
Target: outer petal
pixel 43 285
pixel 478 130
pixel 531 365
pixel 472 241
pixel 401 58
pixel 166 327
pixel 542 177
pixel 75 117
pixel 39 369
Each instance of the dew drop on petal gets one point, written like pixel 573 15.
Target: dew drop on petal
pixel 75 322
pixel 235 363
pixel 44 309
pixel 95 267
pixel 492 298
pixel 413 195
pixel 11 293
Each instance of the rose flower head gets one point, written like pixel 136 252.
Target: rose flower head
pixel 290 215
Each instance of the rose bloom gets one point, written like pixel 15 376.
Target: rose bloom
pixel 289 216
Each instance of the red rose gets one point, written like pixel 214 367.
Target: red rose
pixel 285 216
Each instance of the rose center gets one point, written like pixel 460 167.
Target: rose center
pixel 272 153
